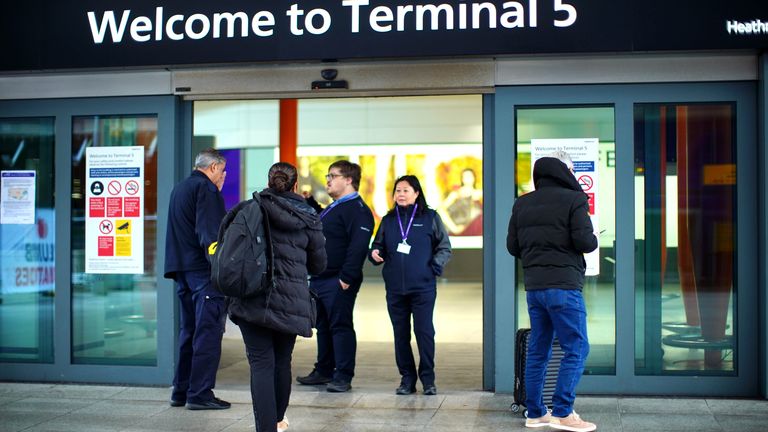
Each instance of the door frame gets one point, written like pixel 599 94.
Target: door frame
pixel 500 266
pixel 171 131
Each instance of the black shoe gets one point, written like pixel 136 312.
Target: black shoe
pixel 338 386
pixel 430 390
pixel 405 389
pixel 314 378
pixel 178 402
pixel 213 404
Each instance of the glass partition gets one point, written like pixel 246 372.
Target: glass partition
pixel 685 192
pixel 587 134
pixel 27 240
pixel 114 303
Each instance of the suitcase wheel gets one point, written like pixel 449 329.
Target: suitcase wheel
pixel 515 408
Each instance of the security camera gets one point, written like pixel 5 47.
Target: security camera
pixel 329 74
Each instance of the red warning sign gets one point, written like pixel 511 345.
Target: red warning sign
pixel 591 200
pixel 132 207
pixel 114 207
pixel 106 246
pixel 96 207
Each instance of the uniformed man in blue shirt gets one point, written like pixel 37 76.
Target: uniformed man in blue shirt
pixel 347 226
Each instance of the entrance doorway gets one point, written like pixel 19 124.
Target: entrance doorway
pixel 437 138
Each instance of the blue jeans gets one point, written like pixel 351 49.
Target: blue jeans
pixel 553 312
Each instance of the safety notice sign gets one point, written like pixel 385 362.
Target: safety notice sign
pixel 584 153
pixel 114 225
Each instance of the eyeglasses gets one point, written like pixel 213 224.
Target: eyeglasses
pixel 330 176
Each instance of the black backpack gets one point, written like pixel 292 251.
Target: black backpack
pixel 242 263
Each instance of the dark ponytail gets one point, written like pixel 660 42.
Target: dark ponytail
pixel 282 177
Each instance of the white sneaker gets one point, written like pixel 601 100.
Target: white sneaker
pixel 572 423
pixel 282 425
pixel 540 421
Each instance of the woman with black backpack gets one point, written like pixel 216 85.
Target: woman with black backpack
pixel 271 320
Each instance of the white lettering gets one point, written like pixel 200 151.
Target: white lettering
pixel 139 25
pixel 98 31
pixel 570 10
pixel 158 23
pixel 169 27
pixel 189 27
pixel 514 18
pixel 381 14
pixel 230 18
pixel 402 11
pixel 434 12
pixel 294 13
pixel 355 4
pixel 325 18
pixel 263 19
pixel 478 8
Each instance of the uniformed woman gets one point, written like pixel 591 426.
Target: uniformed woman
pixel 413 245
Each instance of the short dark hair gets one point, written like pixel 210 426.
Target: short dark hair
pixel 414 182
pixel 282 177
pixel 349 169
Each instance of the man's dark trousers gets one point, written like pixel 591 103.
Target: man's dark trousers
pixel 336 338
pixel 421 305
pixel 201 327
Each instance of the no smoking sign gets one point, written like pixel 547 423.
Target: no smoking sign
pixel 586 182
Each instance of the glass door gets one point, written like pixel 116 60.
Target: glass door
pixel 671 308
pixel 85 185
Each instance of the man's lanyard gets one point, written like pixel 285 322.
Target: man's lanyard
pixel 343 199
pixel 404 232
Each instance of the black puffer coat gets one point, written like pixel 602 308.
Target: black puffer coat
pixel 550 229
pixel 299 247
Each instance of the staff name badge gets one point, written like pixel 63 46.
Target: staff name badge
pixel 404 248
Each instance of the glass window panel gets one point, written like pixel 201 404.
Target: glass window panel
pixel 685 189
pixel 114 315
pixel 577 124
pixel 27 240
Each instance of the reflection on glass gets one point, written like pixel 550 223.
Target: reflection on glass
pixel 556 126
pixel 27 240
pixel 685 188
pixel 114 315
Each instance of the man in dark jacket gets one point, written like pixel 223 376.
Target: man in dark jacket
pixel 195 211
pixel 550 231
pixel 347 226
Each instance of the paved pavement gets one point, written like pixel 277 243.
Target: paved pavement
pixel 83 408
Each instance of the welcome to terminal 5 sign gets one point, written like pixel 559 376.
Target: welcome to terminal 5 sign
pixel 39 34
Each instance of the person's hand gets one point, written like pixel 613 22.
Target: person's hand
pixel 376 256
pixel 343 284
pixel 220 183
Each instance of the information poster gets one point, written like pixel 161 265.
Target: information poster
pixel 18 197
pixel 114 225
pixel 584 153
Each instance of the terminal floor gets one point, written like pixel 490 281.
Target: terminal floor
pixel 85 408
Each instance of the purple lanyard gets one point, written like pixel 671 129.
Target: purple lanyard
pixel 345 198
pixel 404 233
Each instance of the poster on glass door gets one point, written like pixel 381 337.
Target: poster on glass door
pixel 17 205
pixel 114 213
pixel 584 153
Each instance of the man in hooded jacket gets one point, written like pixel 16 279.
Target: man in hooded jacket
pixel 550 231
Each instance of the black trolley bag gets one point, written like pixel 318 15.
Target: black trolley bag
pixel 550 378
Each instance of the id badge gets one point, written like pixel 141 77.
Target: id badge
pixel 404 248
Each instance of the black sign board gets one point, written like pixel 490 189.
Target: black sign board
pixel 66 34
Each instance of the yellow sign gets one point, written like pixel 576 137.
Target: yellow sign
pixel 122 226
pixel 720 174
pixel 122 245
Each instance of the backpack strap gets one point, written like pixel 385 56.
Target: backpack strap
pixel 268 234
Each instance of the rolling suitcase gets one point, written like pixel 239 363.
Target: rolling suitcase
pixel 550 378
